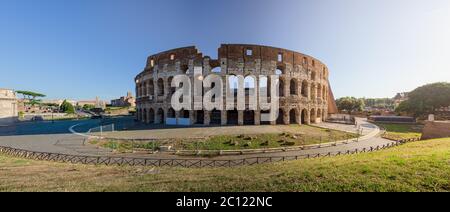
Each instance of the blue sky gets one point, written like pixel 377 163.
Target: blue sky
pixel 86 48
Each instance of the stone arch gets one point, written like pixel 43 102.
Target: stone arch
pixel 171 89
pixel 144 115
pixel 160 116
pixel 305 88
pixel 232 117
pixel 184 69
pixel 199 117
pixel 249 117
pixel 312 93
pixel 293 87
pixel 184 114
pixel 281 87
pixel 313 75
pixel 293 116
pixel 151 116
pixel 312 116
pixel 139 114
pixel 171 113
pixel 160 85
pixel 304 117
pixel 319 114
pixel 319 91
pixel 151 88
pixel 215 117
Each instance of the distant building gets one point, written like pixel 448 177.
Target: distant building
pixel 97 103
pixel 124 101
pixel 8 107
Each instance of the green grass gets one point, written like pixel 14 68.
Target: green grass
pixel 402 131
pixel 418 166
pixel 227 142
pixel 306 135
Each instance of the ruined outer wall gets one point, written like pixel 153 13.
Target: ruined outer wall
pixel 305 87
pixel 436 129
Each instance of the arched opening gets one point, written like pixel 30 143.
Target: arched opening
pixel 184 69
pixel 216 117
pixel 313 75
pixel 232 117
pixel 200 117
pixel 171 113
pixel 313 92
pixel 265 113
pixel 151 116
pixel 144 116
pixel 160 84
pixel 184 114
pixel 160 116
pixel 171 89
pixel 279 72
pixel 280 118
pixel 312 116
pixel 151 88
pixel 319 91
pixel 249 117
pixel 293 87
pixel 319 114
pixel 324 93
pixel 304 119
pixel 139 114
pixel 281 87
pixel 305 88
pixel 293 117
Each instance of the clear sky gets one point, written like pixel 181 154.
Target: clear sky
pixel 86 48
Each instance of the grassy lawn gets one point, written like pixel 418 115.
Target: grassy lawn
pixel 402 131
pixel 305 135
pixel 419 166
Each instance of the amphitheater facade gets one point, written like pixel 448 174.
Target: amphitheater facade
pixel 305 95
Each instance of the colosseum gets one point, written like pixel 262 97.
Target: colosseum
pixel 305 95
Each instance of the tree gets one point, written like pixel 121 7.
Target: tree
pixel 350 104
pixel 66 107
pixel 31 97
pixel 88 107
pixel 426 99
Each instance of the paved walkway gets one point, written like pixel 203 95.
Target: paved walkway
pixel 66 143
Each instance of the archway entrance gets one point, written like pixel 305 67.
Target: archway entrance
pixel 249 117
pixel 304 116
pixel 200 117
pixel 160 116
pixel 216 117
pixel 232 117
pixel 293 117
pixel 313 116
pixel 151 116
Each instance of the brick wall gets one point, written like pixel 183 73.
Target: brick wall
pixel 436 129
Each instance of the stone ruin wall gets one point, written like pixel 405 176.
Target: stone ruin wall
pixel 306 97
